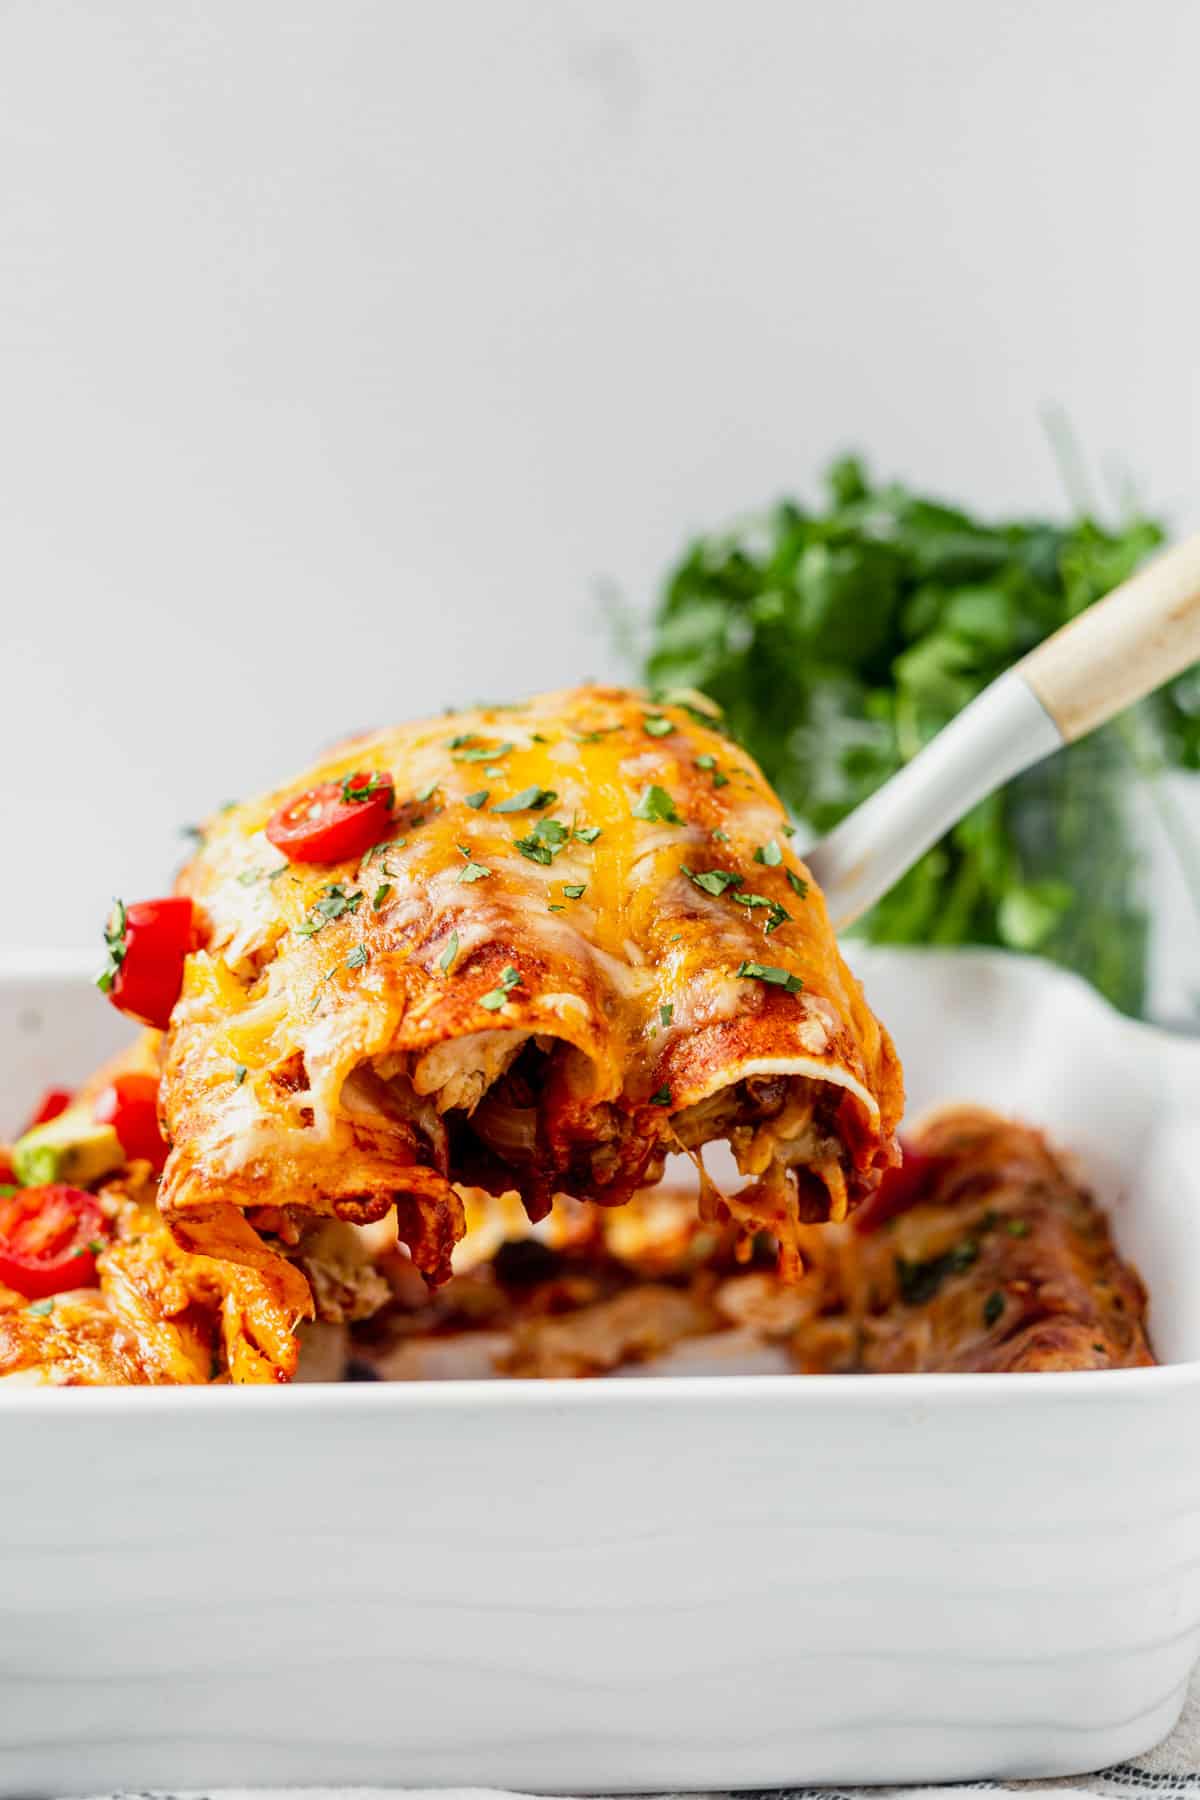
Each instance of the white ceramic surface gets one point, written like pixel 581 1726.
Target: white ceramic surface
pixel 697 1583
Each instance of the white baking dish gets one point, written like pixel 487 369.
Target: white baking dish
pixel 692 1583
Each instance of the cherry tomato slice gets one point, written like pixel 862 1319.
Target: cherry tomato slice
pixel 335 821
pixel 147 943
pixel 52 1102
pixel 130 1105
pixel 47 1239
pixel 900 1188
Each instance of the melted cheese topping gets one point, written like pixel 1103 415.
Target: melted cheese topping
pixel 575 924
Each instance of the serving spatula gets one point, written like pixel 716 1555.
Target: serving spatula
pixel 1122 648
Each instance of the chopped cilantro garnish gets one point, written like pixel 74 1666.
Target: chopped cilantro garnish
pixel 776 914
pixel 248 877
pixel 239 1074
pixel 380 895
pixel 662 1098
pixel 41 1309
pixel 675 938
pixel 709 763
pixel 357 957
pixel 797 883
pixel 712 881
pixel 657 806
pixel 195 832
pixel 426 793
pixel 509 979
pixel 484 753
pixel 756 971
pixel 1017 1227
pixel 446 959
pixel 544 842
pixel 457 743
pixel 472 871
pixel 477 799
pixel 769 853
pixel 575 891
pixel 666 1012
pixel 920 1281
pixel 378 851
pixel 554 907
pixel 114 944
pixel 654 725
pixel 333 903
pixel 357 793
pixel 993 1306
pixel 720 837
pixel 530 799
pixel 535 737
pixel 587 834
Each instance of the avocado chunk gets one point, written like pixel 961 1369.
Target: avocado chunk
pixel 71 1148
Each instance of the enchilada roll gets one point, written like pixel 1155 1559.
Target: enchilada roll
pixel 532 948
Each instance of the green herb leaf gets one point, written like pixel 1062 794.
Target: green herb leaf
pixel 1017 1228
pixel 380 895
pixel 471 871
pixel 654 725
pixel 544 842
pixel 920 1281
pixel 755 971
pixel 114 945
pixel 797 883
pixel 41 1309
pixel 476 800
pixel 356 793
pixel 993 1306
pixel 446 959
pixel 662 1098
pixel 666 1012
pixel 575 891
pixel 712 881
pixel 484 753
pixel 358 957
pixel 334 902
pixel 426 793
pixel 770 854
pixel 509 979
pixel 587 834
pixel 530 799
pixel 776 914
pixel 657 806
pixel 248 877
pixel 239 1074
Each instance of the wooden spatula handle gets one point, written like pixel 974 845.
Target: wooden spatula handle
pixel 1125 646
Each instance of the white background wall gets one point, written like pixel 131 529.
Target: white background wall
pixel 346 347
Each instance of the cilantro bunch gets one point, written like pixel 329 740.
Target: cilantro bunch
pixel 840 639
